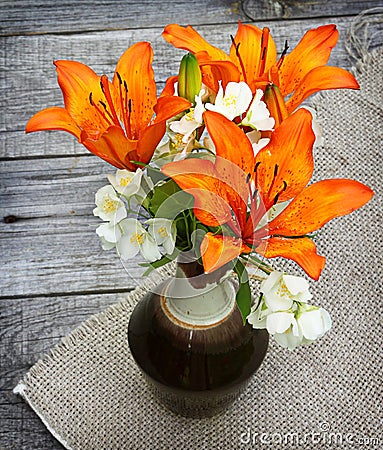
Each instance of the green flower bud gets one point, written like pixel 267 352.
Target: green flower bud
pixel 189 78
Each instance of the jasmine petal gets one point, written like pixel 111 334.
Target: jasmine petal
pixel 234 102
pixel 258 116
pixel 164 232
pixel 109 206
pixel 279 322
pixel 136 239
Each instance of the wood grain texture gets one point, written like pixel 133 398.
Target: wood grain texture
pixel 50 244
pixel 50 16
pixel 287 9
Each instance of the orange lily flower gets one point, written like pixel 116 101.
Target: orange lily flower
pixel 253 59
pixel 114 120
pixel 237 190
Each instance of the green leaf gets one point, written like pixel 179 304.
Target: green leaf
pixel 168 200
pixel 159 263
pixel 155 174
pixel 243 296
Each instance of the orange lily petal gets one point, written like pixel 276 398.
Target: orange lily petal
pixel 312 51
pixel 54 118
pixel 250 48
pixel 215 71
pixel 170 106
pixel 151 136
pixel 228 138
pixel 113 147
pixel 149 139
pixel 135 68
pixel 199 178
pixel 302 251
pixel 189 39
pixel 318 79
pixel 319 203
pixel 169 89
pixel 81 87
pixel 218 250
pixel 285 165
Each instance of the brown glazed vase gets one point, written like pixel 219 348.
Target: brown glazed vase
pixel 189 340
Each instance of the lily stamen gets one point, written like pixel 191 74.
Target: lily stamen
pixel 107 112
pixel 100 111
pixel 276 167
pixel 283 54
pixel 264 46
pixel 236 46
pixel 122 102
pixel 104 83
pixel 127 104
pixel 280 192
pixel 255 172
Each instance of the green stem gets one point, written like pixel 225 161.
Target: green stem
pixel 257 262
pixel 187 230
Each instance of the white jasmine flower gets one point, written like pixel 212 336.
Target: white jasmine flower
pixel 279 322
pixel 288 339
pixel 190 121
pixel 258 116
pixel 313 322
pixel 109 206
pixel 208 143
pixel 162 154
pixel 281 290
pixel 235 102
pixel 125 182
pixel 131 184
pixel 134 239
pixel 257 146
pixel 164 233
pixel 109 231
pixel 109 234
pixel 106 245
pixel 283 311
pixel 172 150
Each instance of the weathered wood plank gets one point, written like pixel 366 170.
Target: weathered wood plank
pixel 286 9
pixel 22 429
pixel 29 328
pixel 52 247
pixel 28 81
pixel 50 16
pixel 47 16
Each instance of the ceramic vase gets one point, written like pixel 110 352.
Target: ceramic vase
pixel 189 340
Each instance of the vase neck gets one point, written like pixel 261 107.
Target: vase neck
pixel 197 304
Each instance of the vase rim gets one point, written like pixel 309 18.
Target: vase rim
pixel 191 311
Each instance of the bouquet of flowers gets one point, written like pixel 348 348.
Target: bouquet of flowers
pixel 219 163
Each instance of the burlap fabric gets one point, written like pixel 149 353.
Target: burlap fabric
pixel 90 394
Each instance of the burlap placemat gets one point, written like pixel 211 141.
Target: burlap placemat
pixel 90 394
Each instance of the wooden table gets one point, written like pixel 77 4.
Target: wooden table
pixel 54 273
